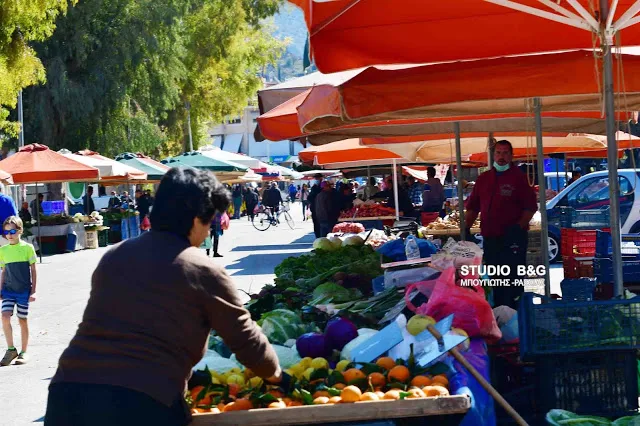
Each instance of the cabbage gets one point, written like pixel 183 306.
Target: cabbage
pixel 349 347
pixel 313 345
pixel 339 332
pixel 323 244
pixel 281 325
pixel 336 241
pixel 332 292
pixel 215 362
pixel 353 240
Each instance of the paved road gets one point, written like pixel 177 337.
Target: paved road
pixel 63 290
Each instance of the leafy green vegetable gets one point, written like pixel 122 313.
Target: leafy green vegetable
pixel 562 417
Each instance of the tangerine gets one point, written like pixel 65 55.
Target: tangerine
pixel 435 390
pixel 380 394
pixel 195 391
pixel 399 373
pixel 321 393
pixel 277 404
pixel 392 394
pixel 214 410
pixel 234 388
pixel 377 379
pixel 294 404
pixel 321 400
pixel 353 374
pixel 441 379
pixel 351 394
pixel 335 400
pixel 238 405
pixel 339 386
pixel 276 393
pixel 420 381
pixel 386 363
pixel 416 393
pixel 369 396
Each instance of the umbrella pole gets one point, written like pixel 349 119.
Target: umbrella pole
pixel 395 188
pixel 490 150
pixel 612 161
pixel 557 176
pixel 39 227
pixel 463 228
pixel 542 191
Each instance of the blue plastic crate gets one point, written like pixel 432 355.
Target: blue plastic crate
pixel 52 207
pixel 578 289
pixel 554 327
pixel 603 270
pixel 603 245
pixel 124 229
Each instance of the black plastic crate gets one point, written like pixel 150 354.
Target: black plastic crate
pixel 603 383
pixel 603 245
pixel 561 327
pixel 578 289
pixel 603 270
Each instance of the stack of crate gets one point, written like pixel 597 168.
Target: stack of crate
pixel 585 353
pixel 603 264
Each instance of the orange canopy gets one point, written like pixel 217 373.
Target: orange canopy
pixel 36 163
pixel 347 151
pixel 349 34
pixel 563 81
pixel 524 153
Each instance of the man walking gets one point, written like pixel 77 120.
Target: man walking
pixel 506 203
pixel 313 194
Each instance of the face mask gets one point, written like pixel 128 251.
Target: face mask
pixel 500 168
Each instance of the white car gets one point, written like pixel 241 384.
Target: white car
pixel 585 204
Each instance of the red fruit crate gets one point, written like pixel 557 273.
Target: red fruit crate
pixel 577 267
pixel 579 242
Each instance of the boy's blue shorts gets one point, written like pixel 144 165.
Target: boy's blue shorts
pixel 19 301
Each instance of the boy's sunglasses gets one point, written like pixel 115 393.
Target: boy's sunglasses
pixel 10 232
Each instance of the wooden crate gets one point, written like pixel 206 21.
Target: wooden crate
pixel 340 413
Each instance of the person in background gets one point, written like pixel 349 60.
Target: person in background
pixel 35 209
pixel 433 195
pixel 89 207
pixel 251 201
pixel 415 191
pixel 114 202
pixel 313 193
pixel 506 203
pixel 327 208
pixel 405 206
pixel 215 232
pixel 236 195
pixel 371 188
pixel 17 287
pixel 24 214
pixel 272 198
pixel 142 203
pixel 304 199
pixel 346 197
pixel 292 192
pixel 575 175
pixel 144 328
pixel 125 199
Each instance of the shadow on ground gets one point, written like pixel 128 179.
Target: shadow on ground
pixel 292 246
pixel 260 264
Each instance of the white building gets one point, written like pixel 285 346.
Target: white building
pixel 237 135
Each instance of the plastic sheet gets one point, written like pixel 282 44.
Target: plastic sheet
pixel 395 251
pixel 461 382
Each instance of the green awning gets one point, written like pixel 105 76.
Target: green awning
pixel 154 170
pixel 197 160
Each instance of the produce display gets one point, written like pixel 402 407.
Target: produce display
pixel 317 378
pixel 563 417
pixel 451 221
pixel 368 210
pixel 348 228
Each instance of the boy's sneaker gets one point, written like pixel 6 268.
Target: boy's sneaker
pixel 23 358
pixel 9 356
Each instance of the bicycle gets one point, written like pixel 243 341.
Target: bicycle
pixel 265 217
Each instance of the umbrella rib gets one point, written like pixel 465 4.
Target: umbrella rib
pixel 542 14
pixel 333 18
pixel 626 17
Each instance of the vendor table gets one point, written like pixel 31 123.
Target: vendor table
pixel 376 222
pixel 342 413
pixel 60 231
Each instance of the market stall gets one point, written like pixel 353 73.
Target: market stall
pixel 154 169
pixel 36 163
pixel 221 168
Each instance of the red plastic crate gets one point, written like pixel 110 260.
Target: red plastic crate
pixel 577 268
pixel 578 242
pixel 428 217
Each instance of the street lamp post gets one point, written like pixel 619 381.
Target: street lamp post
pixel 187 105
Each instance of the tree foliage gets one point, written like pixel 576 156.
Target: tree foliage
pixel 22 22
pixel 119 72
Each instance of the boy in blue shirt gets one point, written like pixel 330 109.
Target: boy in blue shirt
pixel 17 286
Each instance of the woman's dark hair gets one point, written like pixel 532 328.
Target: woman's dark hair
pixel 184 194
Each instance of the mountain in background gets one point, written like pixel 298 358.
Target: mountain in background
pixel 289 24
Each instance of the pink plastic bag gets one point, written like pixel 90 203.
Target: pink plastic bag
pixel 426 288
pixel 472 312
pixel 224 221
